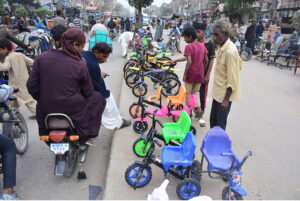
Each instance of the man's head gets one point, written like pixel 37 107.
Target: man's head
pixel 173 28
pixel 189 35
pixel 158 21
pixel 5 47
pixel 148 29
pixel 58 13
pixel 102 52
pixel 254 22
pixel 221 31
pixel 111 19
pixel 57 32
pixel 200 29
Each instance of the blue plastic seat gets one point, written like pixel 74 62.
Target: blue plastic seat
pixel 216 143
pixel 181 155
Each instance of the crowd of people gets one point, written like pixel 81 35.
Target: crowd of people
pixel 82 94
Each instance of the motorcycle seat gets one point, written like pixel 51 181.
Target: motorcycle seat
pixel 58 121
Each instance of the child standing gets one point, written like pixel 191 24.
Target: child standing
pixel 201 31
pixel 195 54
pixel 17 65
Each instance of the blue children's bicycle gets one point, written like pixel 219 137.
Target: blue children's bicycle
pixel 223 163
pixel 175 160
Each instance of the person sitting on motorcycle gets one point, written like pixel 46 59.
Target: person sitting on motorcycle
pixel 8 154
pixel 17 65
pixel 111 25
pixel 111 118
pixel 175 33
pixel 60 82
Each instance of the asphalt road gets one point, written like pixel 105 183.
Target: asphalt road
pixel 35 178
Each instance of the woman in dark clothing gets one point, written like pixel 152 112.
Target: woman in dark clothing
pixel 60 82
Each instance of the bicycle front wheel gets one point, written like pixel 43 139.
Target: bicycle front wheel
pixel 170 87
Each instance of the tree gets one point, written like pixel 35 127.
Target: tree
pixel 139 4
pixel 235 9
pixel 24 2
pixel 166 11
pixel 147 11
pixel 42 12
pixel 296 22
pixel 118 7
pixel 21 12
pixel 2 8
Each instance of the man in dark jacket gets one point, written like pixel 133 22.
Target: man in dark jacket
pixel 111 118
pixel 21 25
pixel 127 24
pixel 259 29
pixel 250 35
pixel 111 24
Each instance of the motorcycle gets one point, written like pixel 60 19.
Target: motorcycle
pixel 245 52
pixel 172 46
pixel 112 34
pixel 13 124
pixel 63 142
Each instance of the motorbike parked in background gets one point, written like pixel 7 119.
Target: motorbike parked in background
pixel 245 52
pixel 112 34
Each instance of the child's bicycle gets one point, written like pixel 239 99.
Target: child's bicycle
pixel 175 160
pixel 170 85
pixel 141 124
pixel 223 163
pixel 172 134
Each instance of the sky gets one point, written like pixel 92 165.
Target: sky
pixel 156 2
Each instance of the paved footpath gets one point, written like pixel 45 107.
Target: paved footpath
pixel 35 178
pixel 266 121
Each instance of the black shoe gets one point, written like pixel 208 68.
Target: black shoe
pixel 125 123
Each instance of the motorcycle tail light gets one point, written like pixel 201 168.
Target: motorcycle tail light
pixel 57 136
pixel 44 138
pixel 74 137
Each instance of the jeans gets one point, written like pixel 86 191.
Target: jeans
pixel 218 117
pixel 9 164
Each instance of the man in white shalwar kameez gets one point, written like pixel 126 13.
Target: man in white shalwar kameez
pixel 124 39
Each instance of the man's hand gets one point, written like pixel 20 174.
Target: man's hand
pixel 103 74
pixel 206 79
pixel 224 105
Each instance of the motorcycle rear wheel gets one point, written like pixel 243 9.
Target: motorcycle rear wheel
pixel 71 160
pixel 22 140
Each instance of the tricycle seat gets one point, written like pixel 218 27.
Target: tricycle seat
pixel 181 155
pixel 215 145
pixel 177 131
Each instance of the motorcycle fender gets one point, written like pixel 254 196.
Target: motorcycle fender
pixel 60 163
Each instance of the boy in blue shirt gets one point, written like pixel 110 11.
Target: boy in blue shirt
pixel 176 33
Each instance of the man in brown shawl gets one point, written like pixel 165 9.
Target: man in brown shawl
pixel 60 82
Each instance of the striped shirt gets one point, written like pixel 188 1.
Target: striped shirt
pixel 78 23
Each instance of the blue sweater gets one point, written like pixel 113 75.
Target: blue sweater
pixel 95 73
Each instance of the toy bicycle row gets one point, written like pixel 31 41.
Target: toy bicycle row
pixel 177 159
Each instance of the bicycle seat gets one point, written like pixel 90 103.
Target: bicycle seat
pixel 160 113
pixel 156 97
pixel 181 155
pixel 177 131
pixel 12 98
pixel 58 121
pixel 214 144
